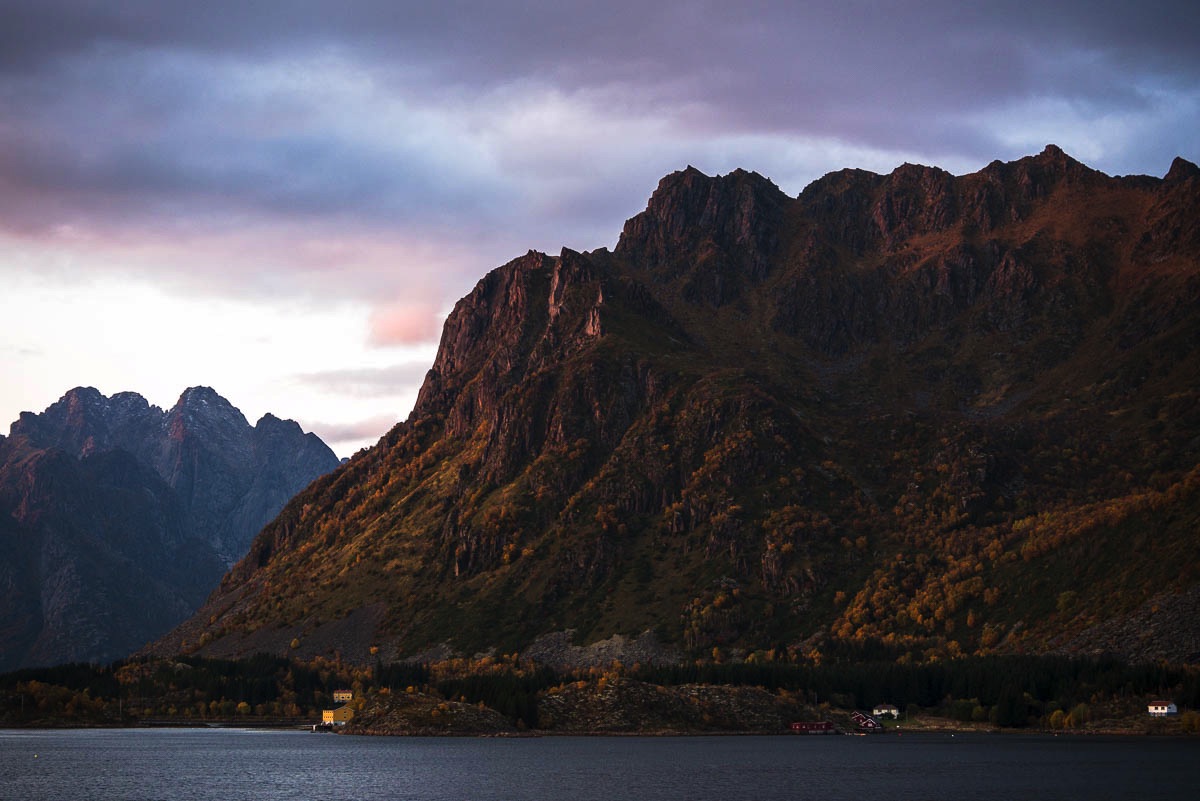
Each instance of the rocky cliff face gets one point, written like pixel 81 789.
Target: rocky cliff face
pixel 902 407
pixel 119 518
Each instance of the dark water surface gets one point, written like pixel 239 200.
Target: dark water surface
pixel 230 764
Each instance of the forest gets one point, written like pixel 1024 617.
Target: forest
pixel 1005 691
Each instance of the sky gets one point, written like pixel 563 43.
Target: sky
pixel 284 200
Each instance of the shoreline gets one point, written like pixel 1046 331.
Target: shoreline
pixel 306 727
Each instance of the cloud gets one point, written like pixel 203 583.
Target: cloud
pixel 360 432
pixel 351 408
pixel 458 120
pixel 213 138
pixel 367 382
pixel 405 323
pixel 368 108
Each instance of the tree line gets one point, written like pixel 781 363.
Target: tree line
pixel 1013 690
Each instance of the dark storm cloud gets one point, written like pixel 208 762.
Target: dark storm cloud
pixel 582 42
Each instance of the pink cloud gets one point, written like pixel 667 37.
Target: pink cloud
pixel 405 323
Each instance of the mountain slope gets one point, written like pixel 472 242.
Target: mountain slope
pixel 954 414
pixel 119 518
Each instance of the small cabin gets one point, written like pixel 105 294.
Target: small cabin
pixel 1160 709
pixel 337 717
pixel 885 709
pixel 813 727
pixel 343 696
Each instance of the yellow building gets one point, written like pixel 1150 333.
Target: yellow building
pixel 343 696
pixel 337 717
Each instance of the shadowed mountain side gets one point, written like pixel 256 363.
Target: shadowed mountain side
pixel 119 518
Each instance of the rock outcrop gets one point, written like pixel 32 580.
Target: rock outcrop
pixel 626 706
pixel 421 715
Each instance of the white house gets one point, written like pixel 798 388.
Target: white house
pixel 1160 709
pixel 885 709
pixel 865 722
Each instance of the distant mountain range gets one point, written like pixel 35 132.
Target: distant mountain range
pixel 927 413
pixel 118 518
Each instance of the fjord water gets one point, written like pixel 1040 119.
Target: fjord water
pixel 201 764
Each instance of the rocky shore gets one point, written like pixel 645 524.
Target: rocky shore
pixel 418 714
pixel 605 705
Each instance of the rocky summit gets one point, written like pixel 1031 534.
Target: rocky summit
pixel 918 412
pixel 117 518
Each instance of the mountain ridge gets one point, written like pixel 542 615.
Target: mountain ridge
pixel 120 517
pixel 868 412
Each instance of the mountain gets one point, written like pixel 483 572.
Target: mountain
pixel 928 413
pixel 117 518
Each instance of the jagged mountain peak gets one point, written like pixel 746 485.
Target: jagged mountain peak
pixel 270 422
pixel 207 401
pixel 199 394
pixel 83 395
pixel 82 420
pixel 689 206
pixel 201 412
pixel 730 222
pixel 1181 170
pixel 80 405
pixel 130 402
pixel 273 432
pixel 1052 159
pixel 1035 177
pixel 1054 153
